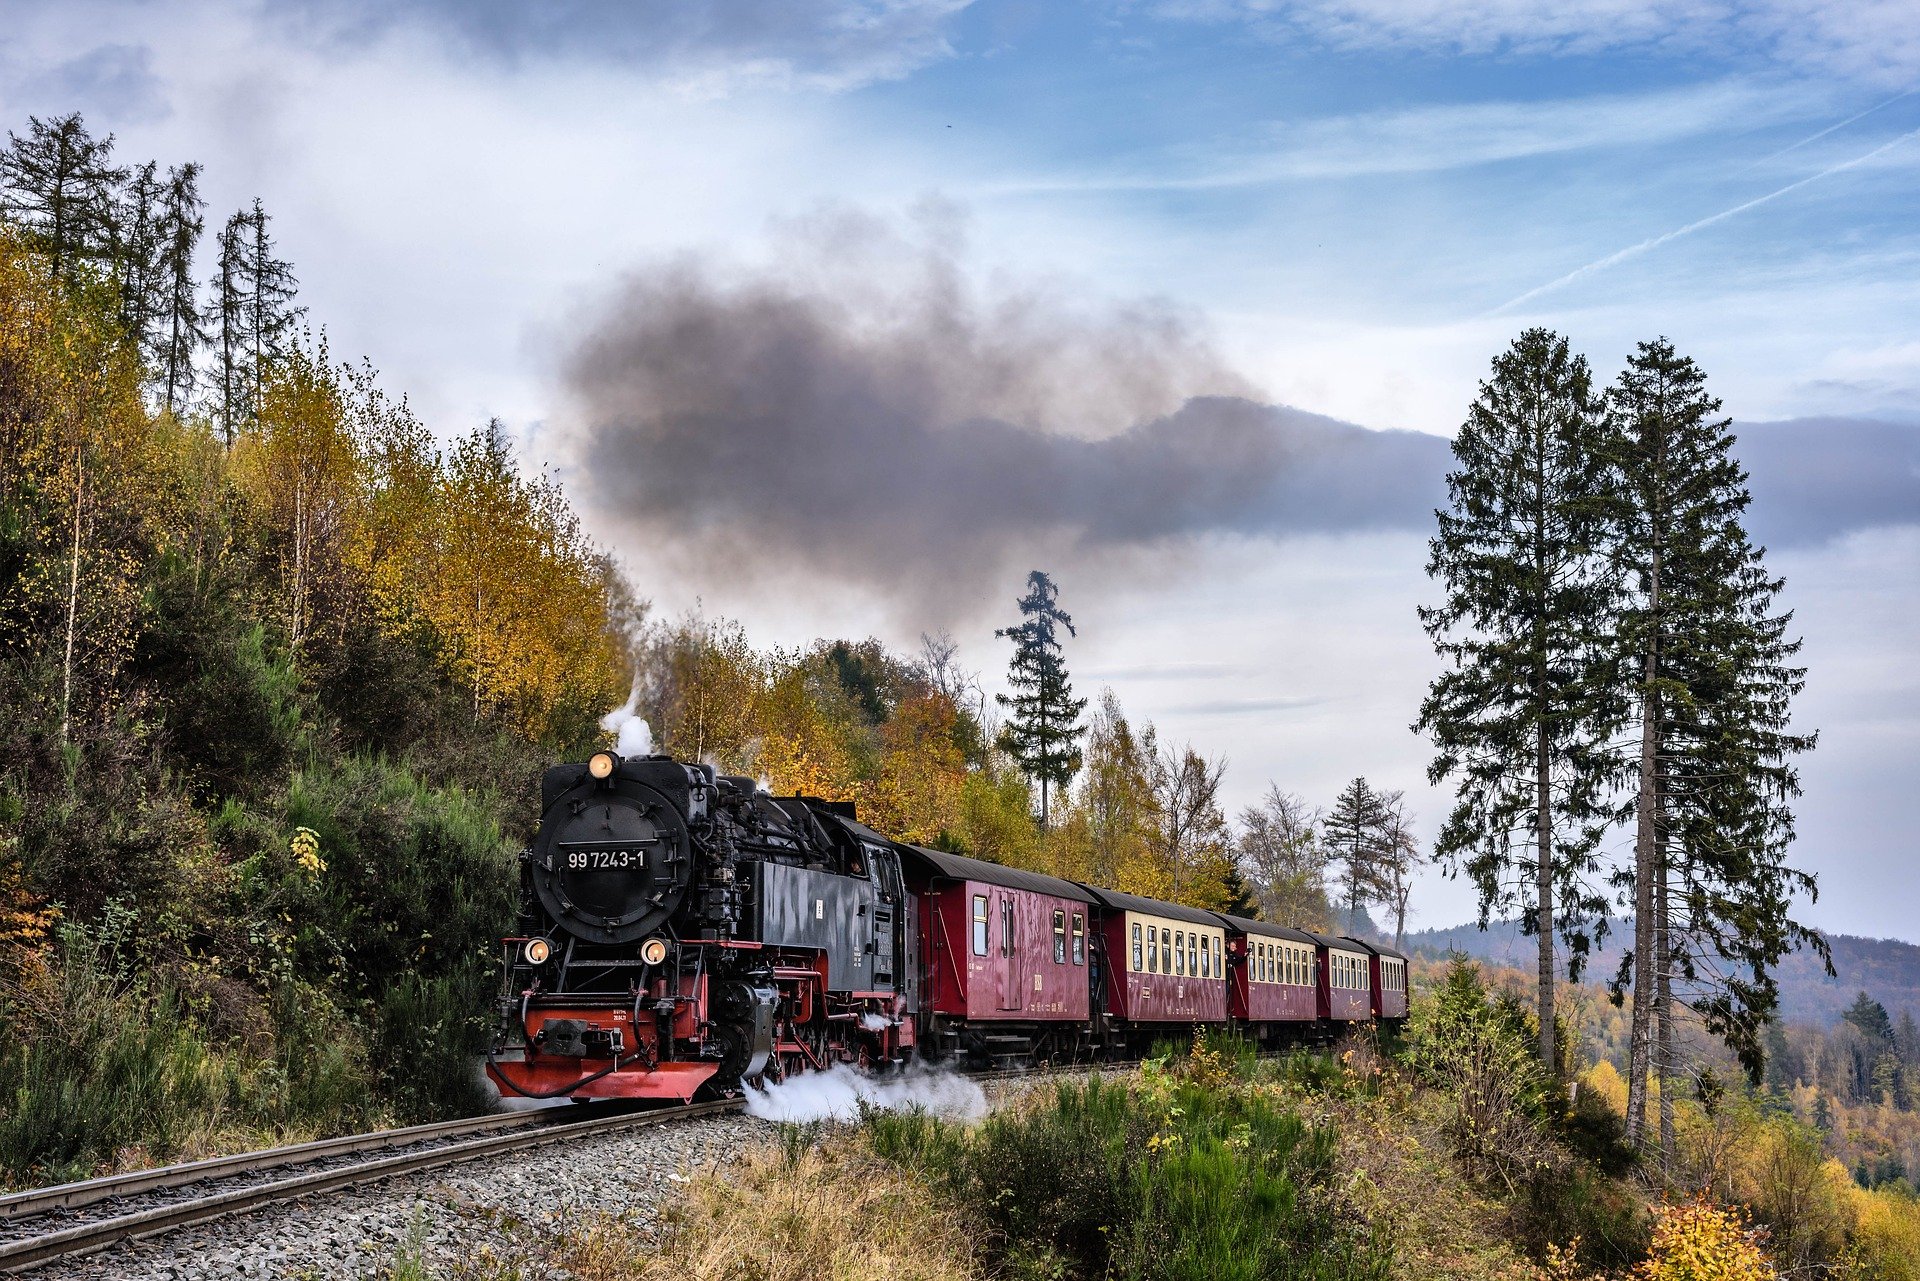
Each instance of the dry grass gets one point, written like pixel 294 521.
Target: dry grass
pixel 824 1212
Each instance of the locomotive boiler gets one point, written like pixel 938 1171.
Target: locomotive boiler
pixel 684 931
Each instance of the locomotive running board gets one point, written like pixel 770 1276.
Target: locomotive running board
pixel 550 1078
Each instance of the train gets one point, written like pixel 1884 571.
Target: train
pixel 685 933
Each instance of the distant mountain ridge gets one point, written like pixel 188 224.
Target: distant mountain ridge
pixel 1888 970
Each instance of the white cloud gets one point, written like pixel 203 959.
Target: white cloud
pixel 1874 40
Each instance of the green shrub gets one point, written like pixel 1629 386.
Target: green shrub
pixel 1166 1180
pixel 100 1067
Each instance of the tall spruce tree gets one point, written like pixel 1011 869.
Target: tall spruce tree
pixel 1709 667
pixel 139 253
pixel 1043 732
pixel 180 331
pixel 253 314
pixel 1519 718
pixel 1357 834
pixel 60 184
pixel 232 390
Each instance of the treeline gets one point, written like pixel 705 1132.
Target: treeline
pixel 1616 664
pixel 277 674
pixel 926 757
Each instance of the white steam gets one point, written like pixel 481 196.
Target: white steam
pixel 874 1022
pixel 635 736
pixel 838 1093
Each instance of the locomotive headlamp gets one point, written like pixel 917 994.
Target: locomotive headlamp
pixel 601 764
pixel 537 951
pixel 654 950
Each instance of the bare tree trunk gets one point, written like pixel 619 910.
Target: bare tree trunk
pixel 296 616
pixel 1543 912
pixel 1663 999
pixel 73 595
pixel 1645 862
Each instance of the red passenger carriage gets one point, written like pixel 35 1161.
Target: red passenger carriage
pixel 1345 980
pixel 1006 955
pixel 1166 964
pixel 1272 971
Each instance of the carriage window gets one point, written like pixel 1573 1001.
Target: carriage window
pixel 1266 962
pixel 1206 957
pixel 1193 959
pixel 1079 938
pixel 1006 927
pixel 1137 963
pixel 1179 952
pixel 979 925
pixel 1059 937
pixel 1153 950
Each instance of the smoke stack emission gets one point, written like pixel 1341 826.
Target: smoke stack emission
pixel 868 411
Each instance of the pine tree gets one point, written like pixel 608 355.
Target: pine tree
pixel 139 255
pixel 228 312
pixel 1871 1018
pixel 253 314
pixel 270 289
pixel 1519 716
pixel 1708 666
pixel 59 183
pixel 1355 834
pixel 181 330
pixel 1043 733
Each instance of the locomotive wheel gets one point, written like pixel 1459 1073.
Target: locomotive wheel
pixel 736 1050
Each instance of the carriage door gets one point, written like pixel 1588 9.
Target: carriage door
pixel 886 914
pixel 1013 972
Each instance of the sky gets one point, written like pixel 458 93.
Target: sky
pixel 836 316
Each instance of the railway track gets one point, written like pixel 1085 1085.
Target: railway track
pixel 74 1219
pixel 45 1225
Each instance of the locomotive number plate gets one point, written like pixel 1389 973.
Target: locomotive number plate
pixel 601 857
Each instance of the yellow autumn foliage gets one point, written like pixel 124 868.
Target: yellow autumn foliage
pixel 1699 1241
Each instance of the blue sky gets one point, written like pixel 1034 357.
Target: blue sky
pixel 1068 219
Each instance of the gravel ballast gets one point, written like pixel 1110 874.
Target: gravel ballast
pixel 449 1214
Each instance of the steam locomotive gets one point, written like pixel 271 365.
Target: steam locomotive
pixel 685 932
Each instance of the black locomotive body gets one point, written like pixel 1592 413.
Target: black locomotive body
pixel 686 930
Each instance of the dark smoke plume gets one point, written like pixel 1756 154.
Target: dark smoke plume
pixel 865 413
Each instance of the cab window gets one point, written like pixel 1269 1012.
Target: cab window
pixel 1059 937
pixel 979 925
pixel 1079 938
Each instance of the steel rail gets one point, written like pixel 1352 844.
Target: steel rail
pixel 71 1196
pixel 86 1238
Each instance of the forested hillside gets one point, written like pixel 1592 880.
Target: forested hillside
pixel 1886 969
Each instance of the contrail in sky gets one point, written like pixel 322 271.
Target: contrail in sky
pixel 1634 251
pixel 1811 138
